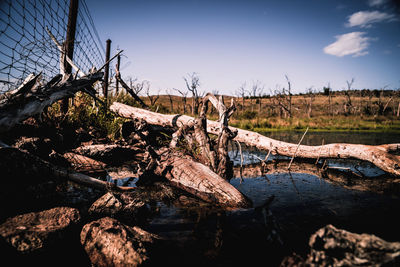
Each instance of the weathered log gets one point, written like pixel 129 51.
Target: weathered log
pixel 377 155
pixel 111 154
pixel 30 99
pixel 335 247
pixel 202 182
pixel 84 164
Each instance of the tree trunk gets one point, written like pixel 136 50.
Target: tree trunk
pixel 377 155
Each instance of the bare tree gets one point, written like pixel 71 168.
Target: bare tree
pixel 192 83
pixel 137 86
pixel 241 93
pixel 397 94
pixel 284 99
pixel 380 103
pixel 254 92
pixel 260 92
pixel 153 98
pixel 184 98
pixel 309 100
pixel 348 106
pixel 171 102
pixel 327 90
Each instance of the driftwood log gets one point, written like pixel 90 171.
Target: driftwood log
pixel 111 154
pixel 204 176
pixel 31 98
pixel 336 247
pixel 199 180
pixel 377 155
pixel 84 164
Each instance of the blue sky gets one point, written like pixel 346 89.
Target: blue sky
pixel 227 43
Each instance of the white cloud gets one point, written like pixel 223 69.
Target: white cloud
pixel 376 2
pixel 353 43
pixel 364 19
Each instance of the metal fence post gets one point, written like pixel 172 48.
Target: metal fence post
pixel 106 70
pixel 69 43
pixel 116 80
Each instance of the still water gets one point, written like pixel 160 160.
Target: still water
pixel 299 204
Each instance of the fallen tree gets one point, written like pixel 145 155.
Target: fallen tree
pixel 205 174
pixel 31 97
pixel 111 154
pixel 377 155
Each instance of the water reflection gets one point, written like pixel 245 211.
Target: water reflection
pixel 316 138
pixel 298 204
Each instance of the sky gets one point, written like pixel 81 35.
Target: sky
pixel 231 42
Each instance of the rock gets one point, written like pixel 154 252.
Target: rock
pixel 335 247
pixel 107 205
pixel 125 207
pixel 111 243
pixel 38 231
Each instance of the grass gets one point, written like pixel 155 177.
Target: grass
pixel 322 123
pixel 259 115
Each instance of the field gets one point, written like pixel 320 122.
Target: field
pixel 369 111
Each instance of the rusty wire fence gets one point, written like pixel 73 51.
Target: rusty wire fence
pixel 26 46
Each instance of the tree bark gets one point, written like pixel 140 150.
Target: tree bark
pixel 84 164
pixel 201 181
pixel 374 154
pixel 111 154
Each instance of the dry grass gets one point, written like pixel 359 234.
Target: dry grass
pixel 263 114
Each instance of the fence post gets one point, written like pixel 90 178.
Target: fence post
pixel 116 80
pixel 69 43
pixel 106 70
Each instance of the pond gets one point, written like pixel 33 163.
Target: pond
pixel 294 205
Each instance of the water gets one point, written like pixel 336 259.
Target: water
pixel 302 203
pixel 316 138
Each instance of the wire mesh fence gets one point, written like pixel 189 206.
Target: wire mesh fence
pixel 26 47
